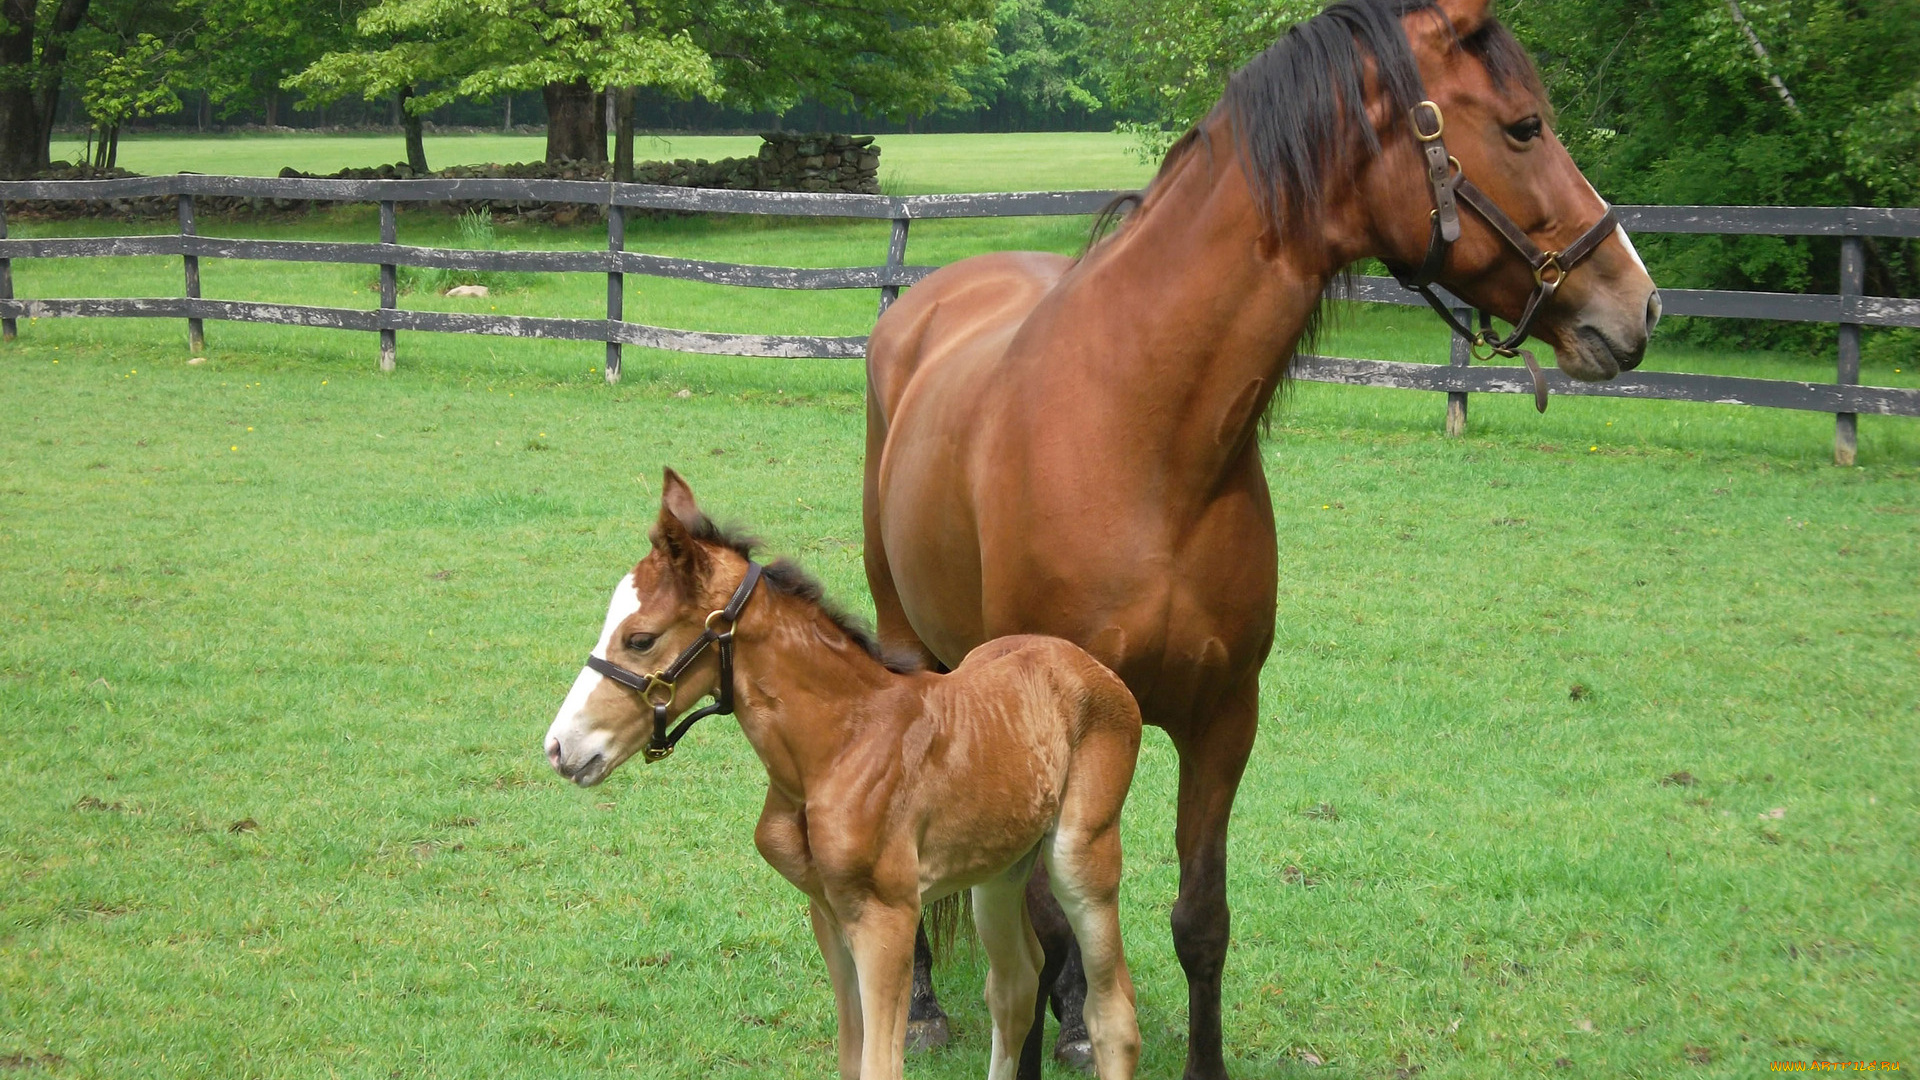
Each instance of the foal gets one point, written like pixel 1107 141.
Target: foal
pixel 886 788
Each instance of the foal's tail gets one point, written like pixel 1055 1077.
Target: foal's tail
pixel 949 921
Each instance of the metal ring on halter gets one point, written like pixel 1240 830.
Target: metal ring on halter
pixel 655 682
pixel 1439 121
pixel 712 615
pixel 1550 259
pixel 1477 344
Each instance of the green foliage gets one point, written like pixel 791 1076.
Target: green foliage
pixel 1673 104
pixel 1037 60
pixel 1168 60
pixel 130 84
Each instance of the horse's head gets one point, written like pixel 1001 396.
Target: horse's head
pixel 659 609
pixel 1489 114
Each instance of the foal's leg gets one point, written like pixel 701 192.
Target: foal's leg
pixel 1213 754
pixel 881 941
pixel 1083 856
pixel 1055 935
pixel 1013 965
pixel 846 988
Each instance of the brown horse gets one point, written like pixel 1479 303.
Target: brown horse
pixel 887 786
pixel 1069 447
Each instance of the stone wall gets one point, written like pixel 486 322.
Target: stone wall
pixel 787 162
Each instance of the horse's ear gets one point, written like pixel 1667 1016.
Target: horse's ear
pixel 677 498
pixel 672 532
pixel 1467 16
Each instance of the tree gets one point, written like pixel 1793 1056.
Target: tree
pixel 33 62
pixel 1169 59
pixel 1037 63
pixel 897 56
pixel 123 85
pixel 1785 102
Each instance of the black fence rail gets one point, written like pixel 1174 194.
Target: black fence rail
pixel 1850 310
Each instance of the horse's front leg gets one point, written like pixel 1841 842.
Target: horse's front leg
pixel 880 939
pixel 1213 754
pixel 846 987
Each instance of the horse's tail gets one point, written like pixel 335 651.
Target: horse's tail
pixel 948 920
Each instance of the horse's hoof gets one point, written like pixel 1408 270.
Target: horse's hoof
pixel 926 1034
pixel 1077 1054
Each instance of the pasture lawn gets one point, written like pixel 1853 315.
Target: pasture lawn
pixel 909 164
pixel 1612 712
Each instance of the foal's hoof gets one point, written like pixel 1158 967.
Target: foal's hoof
pixel 927 1034
pixel 1077 1054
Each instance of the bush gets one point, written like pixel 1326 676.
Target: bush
pixel 476 234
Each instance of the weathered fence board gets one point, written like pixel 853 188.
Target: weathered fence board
pixel 1645 385
pixel 1849 311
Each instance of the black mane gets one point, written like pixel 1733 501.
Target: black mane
pixel 1296 107
pixel 785 577
pixel 1295 110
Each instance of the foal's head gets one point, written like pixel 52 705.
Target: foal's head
pixel 678 591
pixel 657 610
pixel 1307 150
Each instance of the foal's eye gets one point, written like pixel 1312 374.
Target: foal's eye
pixel 640 642
pixel 1526 130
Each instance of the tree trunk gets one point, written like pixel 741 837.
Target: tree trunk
pixel 273 108
pixel 576 122
pixel 508 124
pixel 113 147
pixel 416 146
pixel 623 135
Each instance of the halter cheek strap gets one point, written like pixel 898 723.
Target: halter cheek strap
pixel 1450 187
pixel 657 689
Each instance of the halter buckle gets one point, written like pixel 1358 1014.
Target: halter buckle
pixel 656 753
pixel 1439 122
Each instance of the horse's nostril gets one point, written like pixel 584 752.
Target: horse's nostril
pixel 1653 310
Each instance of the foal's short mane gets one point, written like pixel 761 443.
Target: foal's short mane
pixel 785 577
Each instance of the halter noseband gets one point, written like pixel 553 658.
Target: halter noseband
pixel 1450 187
pixel 657 689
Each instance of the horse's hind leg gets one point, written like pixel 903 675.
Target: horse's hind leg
pixel 1055 935
pixel 1083 861
pixel 1013 965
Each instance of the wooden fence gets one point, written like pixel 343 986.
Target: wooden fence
pixel 1850 310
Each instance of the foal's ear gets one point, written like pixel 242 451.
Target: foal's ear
pixel 1467 16
pixel 672 532
pixel 677 498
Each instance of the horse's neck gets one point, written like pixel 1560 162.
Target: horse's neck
pixel 1197 314
pixel 799 692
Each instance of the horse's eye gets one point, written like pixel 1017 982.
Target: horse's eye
pixel 640 642
pixel 1526 130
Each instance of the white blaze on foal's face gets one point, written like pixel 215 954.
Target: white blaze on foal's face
pixel 580 744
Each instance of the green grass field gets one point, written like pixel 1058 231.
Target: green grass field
pixel 283 634
pixel 909 164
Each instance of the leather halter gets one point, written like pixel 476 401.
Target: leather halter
pixel 1450 187
pixel 657 689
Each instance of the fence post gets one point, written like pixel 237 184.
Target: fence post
pixel 9 327
pixel 616 285
pixel 1459 356
pixel 389 284
pixel 896 258
pixel 196 330
pixel 1853 273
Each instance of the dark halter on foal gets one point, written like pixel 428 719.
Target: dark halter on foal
pixel 661 682
pixel 1450 188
